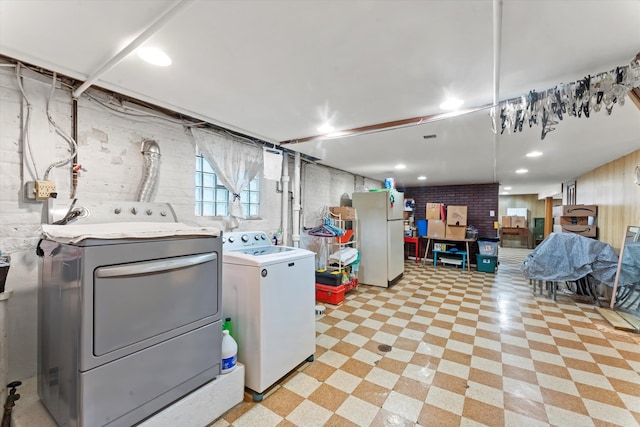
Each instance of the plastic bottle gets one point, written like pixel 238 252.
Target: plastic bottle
pixel 229 353
pixel 226 325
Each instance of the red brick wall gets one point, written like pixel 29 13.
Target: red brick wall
pixel 479 199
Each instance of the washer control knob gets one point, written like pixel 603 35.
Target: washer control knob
pixel 224 240
pixel 163 213
pixel 149 212
pixel 117 211
pixel 134 211
pixel 245 238
pixel 231 239
pixel 256 237
pixel 263 237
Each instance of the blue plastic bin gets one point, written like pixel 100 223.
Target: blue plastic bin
pixel 422 227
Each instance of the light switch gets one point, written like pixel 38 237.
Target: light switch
pixel 492 213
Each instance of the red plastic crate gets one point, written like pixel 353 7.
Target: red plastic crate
pixel 352 284
pixel 330 294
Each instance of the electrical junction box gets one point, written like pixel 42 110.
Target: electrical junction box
pixel 40 190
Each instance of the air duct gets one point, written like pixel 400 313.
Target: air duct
pixel 149 183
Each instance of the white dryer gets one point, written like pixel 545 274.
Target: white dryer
pixel 268 292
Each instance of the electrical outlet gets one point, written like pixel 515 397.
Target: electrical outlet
pixel 45 189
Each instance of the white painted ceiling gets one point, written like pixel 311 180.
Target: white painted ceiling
pixel 276 70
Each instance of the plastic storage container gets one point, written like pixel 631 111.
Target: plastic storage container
pixel 229 353
pixel 486 263
pixel 488 247
pixel 422 227
pixel 330 294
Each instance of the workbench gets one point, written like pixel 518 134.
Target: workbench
pixel 519 235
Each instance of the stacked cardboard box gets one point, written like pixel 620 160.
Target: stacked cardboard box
pixel 578 219
pixel 514 221
pixel 434 210
pixel 456 222
pixel 435 224
pixel 345 213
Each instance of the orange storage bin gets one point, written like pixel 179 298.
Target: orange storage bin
pixel 345 237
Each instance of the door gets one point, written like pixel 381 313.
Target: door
pixel 395 204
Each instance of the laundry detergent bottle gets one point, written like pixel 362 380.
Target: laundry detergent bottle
pixel 229 352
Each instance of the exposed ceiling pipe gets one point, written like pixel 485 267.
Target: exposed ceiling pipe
pixel 497 49
pixel 143 37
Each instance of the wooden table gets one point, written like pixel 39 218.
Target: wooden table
pixel 445 239
pixel 416 242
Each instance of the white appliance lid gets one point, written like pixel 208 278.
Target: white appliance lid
pixel 267 256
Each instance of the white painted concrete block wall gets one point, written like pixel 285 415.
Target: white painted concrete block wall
pixel 109 150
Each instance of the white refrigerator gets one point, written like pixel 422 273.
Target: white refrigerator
pixel 381 235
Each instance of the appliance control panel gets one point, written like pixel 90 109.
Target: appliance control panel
pixel 245 239
pixel 80 212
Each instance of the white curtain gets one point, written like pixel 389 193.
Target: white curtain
pixel 235 163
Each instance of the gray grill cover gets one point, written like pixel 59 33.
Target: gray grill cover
pixel 630 269
pixel 567 257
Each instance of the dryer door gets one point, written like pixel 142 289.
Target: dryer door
pixel 144 300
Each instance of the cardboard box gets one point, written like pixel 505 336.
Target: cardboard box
pixel 456 232
pixel 456 215
pixel 518 222
pixel 583 230
pixel 346 213
pixel 433 210
pixel 575 210
pixel 435 228
pixel 506 221
pixel 574 220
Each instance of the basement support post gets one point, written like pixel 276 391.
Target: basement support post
pixel 548 216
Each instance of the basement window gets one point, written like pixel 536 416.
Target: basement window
pixel 212 198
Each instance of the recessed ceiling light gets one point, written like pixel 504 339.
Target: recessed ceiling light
pixel 505 192
pixel 154 56
pixel 522 171
pixel 534 154
pixel 422 177
pixel 400 166
pixel 451 104
pixel 326 128
pixel 507 188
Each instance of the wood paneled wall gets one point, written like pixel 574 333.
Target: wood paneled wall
pixel 611 187
pixel 529 201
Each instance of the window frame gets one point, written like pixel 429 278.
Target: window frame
pixel 216 203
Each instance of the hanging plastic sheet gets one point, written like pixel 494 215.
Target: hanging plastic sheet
pixel 563 257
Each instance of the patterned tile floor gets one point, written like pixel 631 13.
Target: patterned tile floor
pixel 467 348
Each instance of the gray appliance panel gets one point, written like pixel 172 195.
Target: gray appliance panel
pixel 209 310
pixel 155 376
pixel 171 292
